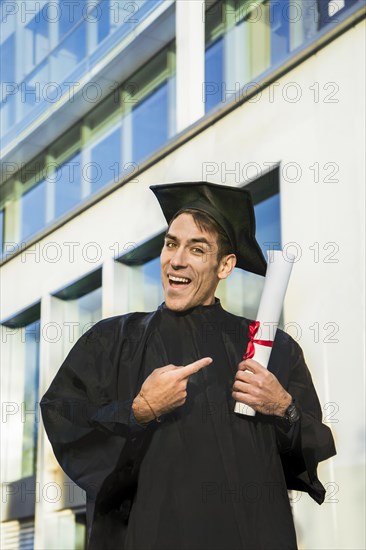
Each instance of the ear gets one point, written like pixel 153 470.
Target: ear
pixel 226 265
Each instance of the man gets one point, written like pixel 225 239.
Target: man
pixel 140 414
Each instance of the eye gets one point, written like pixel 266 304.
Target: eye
pixel 170 244
pixel 197 250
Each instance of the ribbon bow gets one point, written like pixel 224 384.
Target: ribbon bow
pixel 253 329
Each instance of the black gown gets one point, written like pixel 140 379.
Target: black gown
pixel 204 478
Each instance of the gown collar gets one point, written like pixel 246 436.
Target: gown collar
pixel 196 310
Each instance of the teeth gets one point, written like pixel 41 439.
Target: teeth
pixel 178 279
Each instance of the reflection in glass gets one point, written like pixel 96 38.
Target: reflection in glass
pixel 68 54
pixel 152 286
pixel 68 185
pixel 280 29
pixel 2 217
pixel 35 88
pixel 254 34
pixel 70 13
pixel 7 59
pixel 30 403
pixel 81 314
pixel 36 37
pixel 33 208
pixel 150 123
pixel 107 160
pixel 214 67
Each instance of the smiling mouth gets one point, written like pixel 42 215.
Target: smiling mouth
pixel 175 281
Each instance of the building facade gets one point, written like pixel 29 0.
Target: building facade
pixel 101 99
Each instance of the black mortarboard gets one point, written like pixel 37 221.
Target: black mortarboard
pixel 230 207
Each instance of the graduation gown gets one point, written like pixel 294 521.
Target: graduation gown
pixel 203 478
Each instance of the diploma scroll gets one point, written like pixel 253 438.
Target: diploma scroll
pixel 263 331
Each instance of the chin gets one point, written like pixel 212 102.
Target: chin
pixel 176 305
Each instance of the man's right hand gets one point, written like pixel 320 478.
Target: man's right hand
pixel 164 390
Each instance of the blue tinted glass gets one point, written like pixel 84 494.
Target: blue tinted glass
pixel 70 12
pixel 267 214
pixel 29 450
pixel 150 123
pixel 280 29
pixel 33 209
pixel 36 40
pixel 7 114
pixel 1 231
pixel 7 60
pixel 68 54
pixel 68 182
pixel 102 14
pixel 33 88
pixel 107 158
pixel 214 72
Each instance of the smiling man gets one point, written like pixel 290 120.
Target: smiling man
pixel 140 414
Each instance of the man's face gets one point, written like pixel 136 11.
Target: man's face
pixel 189 268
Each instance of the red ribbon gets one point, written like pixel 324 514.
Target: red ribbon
pixel 253 329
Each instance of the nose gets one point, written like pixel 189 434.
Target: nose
pixel 179 258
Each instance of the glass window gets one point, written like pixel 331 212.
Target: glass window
pixel 33 210
pixel 214 71
pixel 31 381
pixel 32 91
pixel 254 36
pixel 152 285
pixel 20 388
pixel 80 314
pixel 7 59
pixel 330 8
pixel 280 29
pixel 106 160
pixel 102 21
pixel 150 123
pixel 71 11
pixel 240 294
pixel 68 185
pixel 7 114
pixel 2 217
pixel 68 54
pixel 36 41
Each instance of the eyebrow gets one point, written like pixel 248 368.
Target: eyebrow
pixel 190 241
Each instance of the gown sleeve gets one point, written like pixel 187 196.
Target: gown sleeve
pixel 89 422
pixel 309 441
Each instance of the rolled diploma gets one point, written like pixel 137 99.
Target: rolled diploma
pixel 269 311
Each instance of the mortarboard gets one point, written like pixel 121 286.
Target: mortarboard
pixel 231 207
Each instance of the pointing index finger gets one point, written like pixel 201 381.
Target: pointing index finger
pixel 195 367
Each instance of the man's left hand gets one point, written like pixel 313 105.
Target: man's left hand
pixel 257 387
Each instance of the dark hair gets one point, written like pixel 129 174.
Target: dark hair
pixel 205 222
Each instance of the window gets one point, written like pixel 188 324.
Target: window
pixel 68 54
pixel 68 185
pixel 20 380
pixel 31 381
pixel 7 59
pixel 33 211
pixel 150 123
pixel 214 68
pixel 152 286
pixel 36 41
pixel 71 11
pixel 106 160
pixel 1 232
pixel 82 308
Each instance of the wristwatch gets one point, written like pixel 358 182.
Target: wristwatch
pixel 292 413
